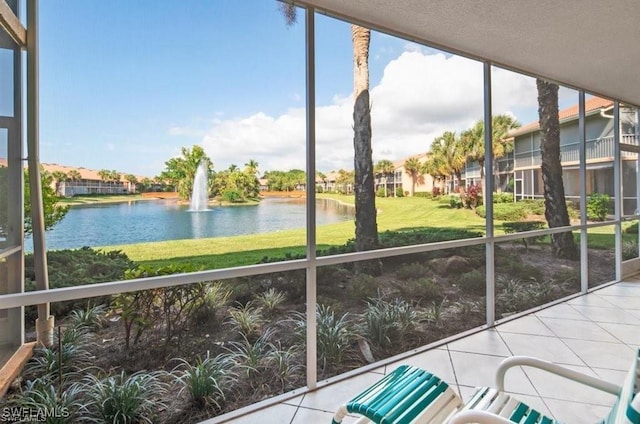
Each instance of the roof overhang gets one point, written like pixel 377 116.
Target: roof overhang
pixel 586 44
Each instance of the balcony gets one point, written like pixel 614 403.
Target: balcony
pixel 594 333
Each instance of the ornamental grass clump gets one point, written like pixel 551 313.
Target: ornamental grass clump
pixel 60 406
pixel 122 399
pixel 247 320
pixel 335 335
pixel 205 380
pixel 387 325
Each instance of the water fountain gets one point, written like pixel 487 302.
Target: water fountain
pixel 200 190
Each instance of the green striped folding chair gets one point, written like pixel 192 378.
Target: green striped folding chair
pixel 407 395
pixel 410 395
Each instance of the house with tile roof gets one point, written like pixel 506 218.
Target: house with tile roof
pixel 402 180
pixel 88 181
pixel 599 128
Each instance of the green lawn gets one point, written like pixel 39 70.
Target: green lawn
pixel 87 200
pixel 393 214
pixel 221 252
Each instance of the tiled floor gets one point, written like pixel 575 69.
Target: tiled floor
pixel 595 334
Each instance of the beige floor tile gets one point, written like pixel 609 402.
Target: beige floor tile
pixel 529 324
pixel 553 386
pixel 575 329
pixel 573 412
pixel 486 342
pixel 329 398
pixel 308 416
pixel 613 376
pixel 563 311
pixel 478 370
pixel 608 314
pixel 626 333
pixel 625 302
pixel 547 348
pixel 277 414
pixel 602 355
pixel 435 361
pixel 624 289
pixel 592 299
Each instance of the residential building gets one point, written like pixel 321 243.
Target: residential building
pixel 599 151
pixel 87 181
pixel 403 180
pixel 518 35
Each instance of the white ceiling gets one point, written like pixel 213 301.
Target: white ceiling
pixel 587 44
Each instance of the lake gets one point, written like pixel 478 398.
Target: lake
pixel 157 220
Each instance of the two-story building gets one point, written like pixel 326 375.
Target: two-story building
pixel 599 148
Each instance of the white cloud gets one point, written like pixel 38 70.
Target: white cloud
pixel 419 96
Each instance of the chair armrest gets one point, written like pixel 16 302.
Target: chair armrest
pixel 588 380
pixel 477 417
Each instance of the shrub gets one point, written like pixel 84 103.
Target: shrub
pixel 446 200
pixel 435 192
pixel 412 270
pixel 419 289
pixel 503 198
pixel 629 250
pixel 175 307
pixel 631 228
pixel 513 267
pixel 505 211
pixel 232 196
pixel 533 206
pixel 597 206
pixel 473 282
pixel 472 198
pixel 399 192
pixel 424 194
pixel 206 379
pixel 119 399
pixel 362 286
pixel 380 192
pixel 455 201
pixel 68 268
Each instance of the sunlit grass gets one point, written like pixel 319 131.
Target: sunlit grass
pixel 222 252
pixel 393 214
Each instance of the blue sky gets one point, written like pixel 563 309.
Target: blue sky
pixel 125 84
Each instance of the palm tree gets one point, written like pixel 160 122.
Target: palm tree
pixel 473 141
pixel 385 168
pixel 415 169
pixel 73 176
pixel 449 150
pixel 58 178
pixel 555 211
pixel 436 165
pixel 366 224
pixel 251 167
pixel 132 180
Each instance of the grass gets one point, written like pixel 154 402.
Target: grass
pixel 222 252
pixel 89 200
pixel 393 214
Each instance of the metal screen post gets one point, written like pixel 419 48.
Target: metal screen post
pixel 617 189
pixel 311 285
pixel 584 247
pixel 487 196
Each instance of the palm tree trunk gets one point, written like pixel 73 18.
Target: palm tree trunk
pixel 563 244
pixel 366 224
